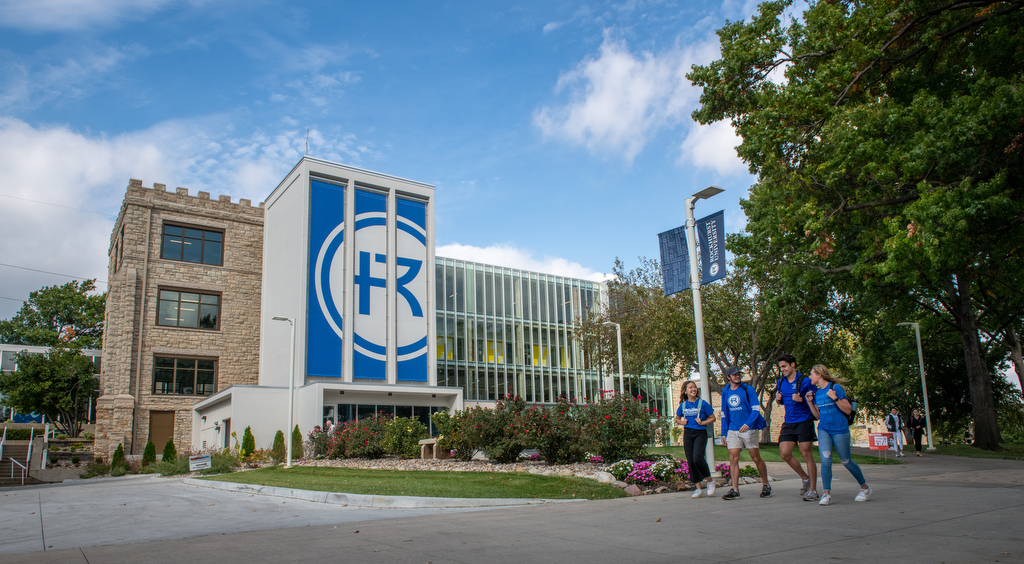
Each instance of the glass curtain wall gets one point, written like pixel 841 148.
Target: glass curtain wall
pixel 503 331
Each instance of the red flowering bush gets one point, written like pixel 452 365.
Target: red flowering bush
pixel 555 432
pixel 619 427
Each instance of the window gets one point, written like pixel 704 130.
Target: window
pixel 188 309
pixel 184 376
pixel 192 245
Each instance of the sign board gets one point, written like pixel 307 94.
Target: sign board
pixel 879 441
pixel 198 462
pixel 675 255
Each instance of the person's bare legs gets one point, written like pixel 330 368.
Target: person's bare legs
pixel 806 451
pixel 755 455
pixel 734 467
pixel 786 452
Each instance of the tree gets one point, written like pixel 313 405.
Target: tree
pixel 57 384
pixel 57 314
pixel 886 137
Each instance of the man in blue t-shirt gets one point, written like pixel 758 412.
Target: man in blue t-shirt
pixel 741 429
pixel 798 427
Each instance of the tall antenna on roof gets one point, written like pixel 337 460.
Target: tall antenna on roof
pixel 307 139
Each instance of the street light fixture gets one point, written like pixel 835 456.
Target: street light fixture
pixel 698 314
pixel 291 390
pixel 618 343
pixel 924 386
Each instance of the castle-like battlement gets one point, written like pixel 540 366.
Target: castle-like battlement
pixel 159 193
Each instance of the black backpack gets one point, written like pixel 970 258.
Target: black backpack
pixel 852 415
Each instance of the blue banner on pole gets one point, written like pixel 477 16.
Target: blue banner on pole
pixel 711 242
pixel 675 260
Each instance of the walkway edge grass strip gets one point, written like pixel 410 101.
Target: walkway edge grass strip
pixel 485 486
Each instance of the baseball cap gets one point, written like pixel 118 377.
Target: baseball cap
pixel 732 370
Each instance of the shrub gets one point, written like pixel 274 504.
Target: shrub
pixel 620 427
pixel 118 470
pixel 97 468
pixel 359 439
pixel 75 460
pixel 319 441
pixel 53 460
pixel 403 435
pixel 19 434
pixel 555 432
pixel 278 452
pixel 88 436
pixel 170 453
pixel 621 469
pixel 117 461
pixel 451 434
pixel 149 454
pixel 248 444
pixel 297 444
pixel 502 430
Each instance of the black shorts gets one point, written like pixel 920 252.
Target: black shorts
pixel 802 432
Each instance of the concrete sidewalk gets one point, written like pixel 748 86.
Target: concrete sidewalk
pixel 937 508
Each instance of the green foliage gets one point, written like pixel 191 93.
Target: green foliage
pixel 503 431
pixel 248 444
pixel 20 434
pixel 450 434
pixel 149 454
pixel 279 452
pixel 75 460
pixel 170 452
pixel 555 432
pixel 58 315
pixel 403 435
pixel 297 449
pixel 117 461
pixel 888 161
pixel 319 441
pixel 96 468
pixel 620 426
pixel 57 384
pixel 1011 422
pixel 220 463
pixel 359 439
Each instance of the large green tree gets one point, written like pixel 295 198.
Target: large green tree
pixel 57 384
pixel 58 314
pixel 887 141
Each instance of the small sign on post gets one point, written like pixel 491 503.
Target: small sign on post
pixel 198 462
pixel 879 441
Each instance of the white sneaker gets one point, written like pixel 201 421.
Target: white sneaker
pixel 711 488
pixel 698 494
pixel 863 494
pixel 826 499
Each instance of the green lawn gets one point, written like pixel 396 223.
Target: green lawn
pixel 1009 452
pixel 769 453
pixel 423 483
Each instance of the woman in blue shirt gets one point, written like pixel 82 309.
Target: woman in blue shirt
pixel 693 414
pixel 830 405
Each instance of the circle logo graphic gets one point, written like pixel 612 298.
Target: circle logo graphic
pixel 734 401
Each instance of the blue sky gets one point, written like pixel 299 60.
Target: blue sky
pixel 557 134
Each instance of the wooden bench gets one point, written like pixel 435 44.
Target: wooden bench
pixel 429 449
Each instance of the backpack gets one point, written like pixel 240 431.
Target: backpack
pixel 852 415
pixel 760 422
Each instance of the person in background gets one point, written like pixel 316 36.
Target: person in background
pixel 798 427
pixel 916 425
pixel 741 429
pixel 894 423
pixel 830 405
pixel 693 414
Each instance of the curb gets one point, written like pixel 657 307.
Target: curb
pixel 372 501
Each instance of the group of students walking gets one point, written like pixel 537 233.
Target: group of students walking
pixel 806 399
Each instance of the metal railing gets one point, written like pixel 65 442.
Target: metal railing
pixel 24 470
pixel 2 441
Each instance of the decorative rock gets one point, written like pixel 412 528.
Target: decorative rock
pixel 661 489
pixel 620 484
pixel 604 477
pixel 633 490
pixel 563 472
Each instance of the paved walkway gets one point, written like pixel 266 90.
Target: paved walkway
pixel 932 509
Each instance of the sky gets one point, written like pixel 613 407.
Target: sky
pixel 557 134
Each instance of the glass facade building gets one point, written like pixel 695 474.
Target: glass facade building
pixel 504 331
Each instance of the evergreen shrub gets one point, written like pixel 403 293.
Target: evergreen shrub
pixel 248 444
pixel 149 454
pixel 170 453
pixel 279 451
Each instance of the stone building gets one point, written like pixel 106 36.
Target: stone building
pixel 182 312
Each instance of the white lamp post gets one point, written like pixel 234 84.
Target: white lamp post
pixel 618 343
pixel 291 390
pixel 924 386
pixel 698 312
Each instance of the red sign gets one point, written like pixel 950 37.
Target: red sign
pixel 879 441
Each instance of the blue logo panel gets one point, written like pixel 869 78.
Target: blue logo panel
pixel 326 279
pixel 711 240
pixel 370 281
pixel 411 290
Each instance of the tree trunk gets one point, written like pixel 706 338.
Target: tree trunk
pixel 983 406
pixel 1012 342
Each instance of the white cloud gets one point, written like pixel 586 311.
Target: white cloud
pixel 713 147
pixel 27 87
pixel 619 100
pixel 56 165
pixel 72 14
pixel 511 257
pixel 552 26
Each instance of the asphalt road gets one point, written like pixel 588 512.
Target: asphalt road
pixel 931 509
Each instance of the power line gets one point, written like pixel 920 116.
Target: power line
pixel 12 299
pixel 56 205
pixel 48 272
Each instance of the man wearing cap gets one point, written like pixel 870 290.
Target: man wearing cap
pixel 741 429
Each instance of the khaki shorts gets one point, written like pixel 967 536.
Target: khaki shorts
pixel 750 439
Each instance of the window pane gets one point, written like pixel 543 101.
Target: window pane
pixel 438 285
pixel 460 289
pixel 190 297
pixel 184 382
pixel 168 295
pixel 172 247
pixel 210 299
pixel 388 410
pixel 403 411
pixel 172 230
pixel 204 382
pixel 164 362
pixel 188 315
pixel 206 364
pixel 211 252
pixel 193 250
pixel 214 236
pixel 193 233
pixel 364 411
pixel 163 380
pixel 208 316
pixel 168 314
pixel 188 363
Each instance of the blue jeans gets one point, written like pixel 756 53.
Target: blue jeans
pixel 842 446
